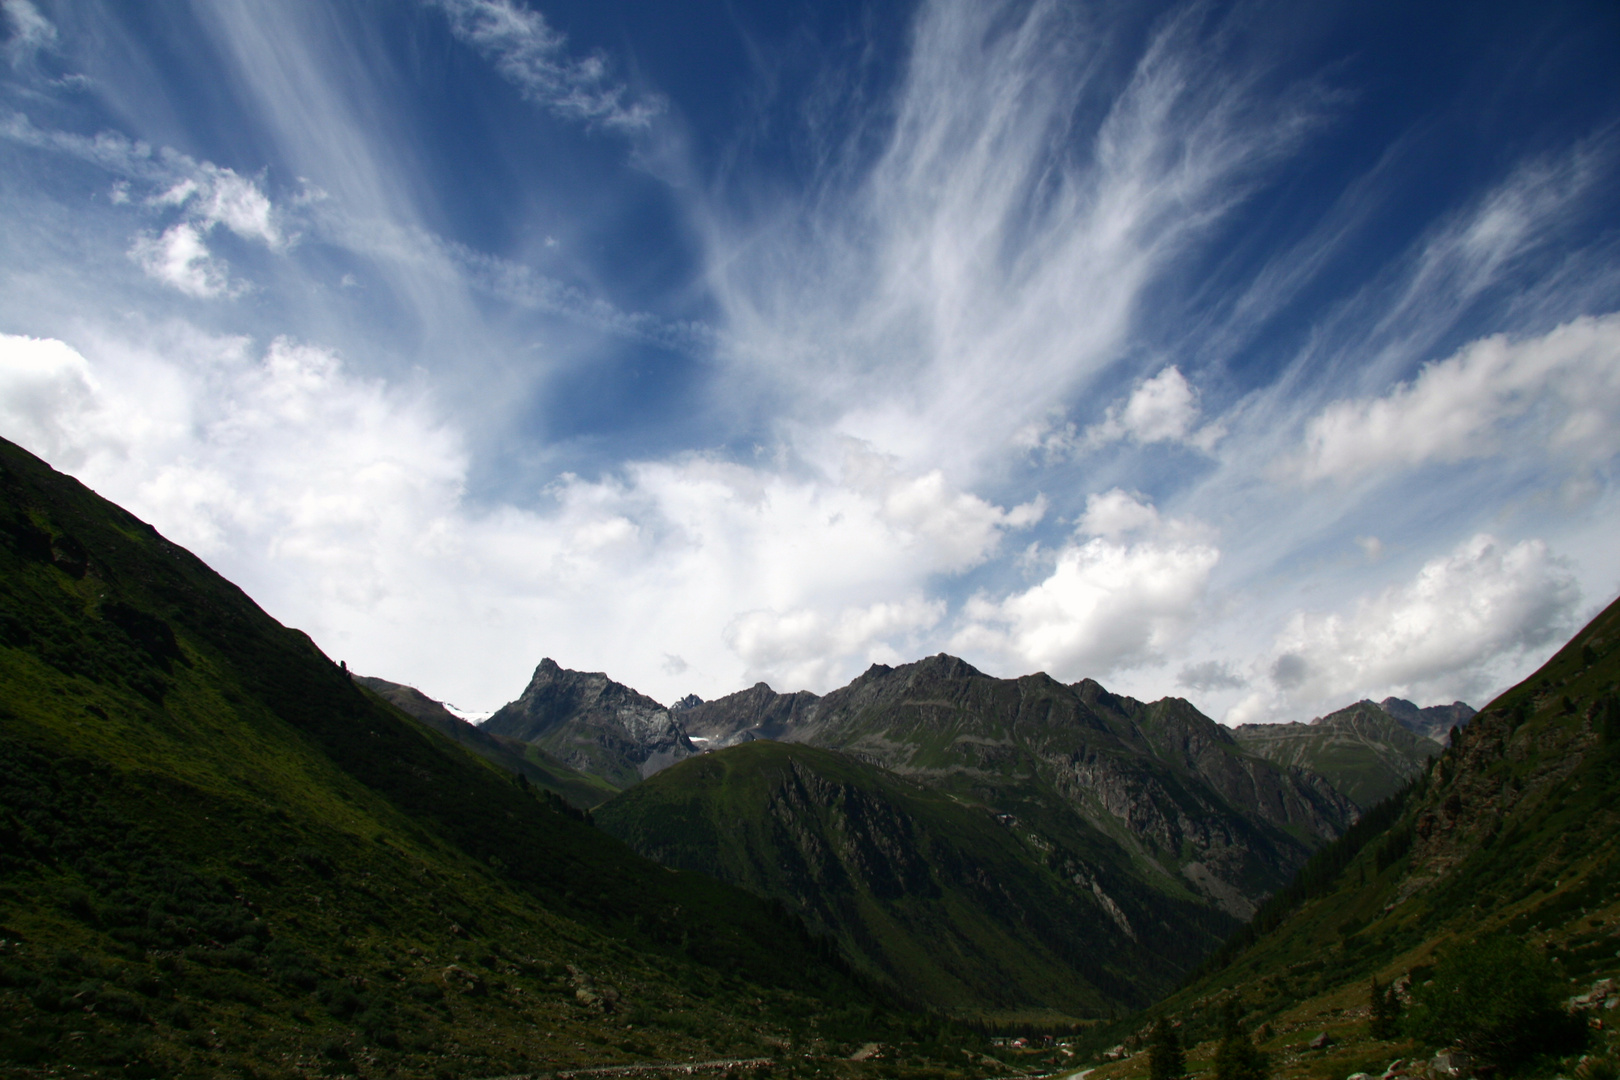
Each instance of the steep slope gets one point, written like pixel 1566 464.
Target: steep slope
pixel 593 724
pixel 1361 750
pixel 953 904
pixel 540 768
pixel 1513 833
pixel 1166 783
pixel 219 856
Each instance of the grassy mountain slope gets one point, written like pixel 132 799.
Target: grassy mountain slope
pixel 219 856
pixel 940 897
pixel 1361 750
pixel 1515 831
pixel 540 768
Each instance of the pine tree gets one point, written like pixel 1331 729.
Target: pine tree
pixel 1165 1059
pixel 1383 1007
pixel 1237 1058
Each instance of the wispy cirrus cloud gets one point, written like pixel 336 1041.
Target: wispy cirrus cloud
pixel 534 57
pixel 993 255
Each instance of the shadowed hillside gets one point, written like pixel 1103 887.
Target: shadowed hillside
pixel 220 856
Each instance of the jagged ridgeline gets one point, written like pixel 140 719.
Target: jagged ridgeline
pixel 987 846
pixel 221 856
pixel 1489 884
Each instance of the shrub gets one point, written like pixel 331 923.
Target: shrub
pixel 1498 999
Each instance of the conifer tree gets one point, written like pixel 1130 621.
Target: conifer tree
pixel 1237 1058
pixel 1384 1013
pixel 1165 1058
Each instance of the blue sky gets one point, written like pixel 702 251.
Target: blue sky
pixel 1264 354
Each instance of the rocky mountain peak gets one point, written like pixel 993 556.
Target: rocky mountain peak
pixel 593 724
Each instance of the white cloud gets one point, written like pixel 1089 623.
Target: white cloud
pixel 1559 391
pixel 1461 628
pixel 529 53
pixel 338 504
pixel 181 260
pixel 44 388
pixel 1161 409
pixel 993 257
pixel 1107 604
pixel 1116 513
pixel 31 32
pixel 806 647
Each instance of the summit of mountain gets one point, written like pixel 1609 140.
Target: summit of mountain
pixel 756 713
pixel 1434 722
pixel 1362 749
pixel 593 724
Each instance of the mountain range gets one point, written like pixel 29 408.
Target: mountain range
pixel 1364 750
pixel 222 853
pixel 1129 837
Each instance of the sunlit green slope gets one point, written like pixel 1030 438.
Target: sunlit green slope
pixel 939 896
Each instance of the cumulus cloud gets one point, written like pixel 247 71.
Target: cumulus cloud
pixel 1457 630
pixel 338 503
pixel 533 56
pixel 1161 409
pixel 1108 603
pixel 199 194
pixel 208 197
pixel 1560 391
pixel 806 647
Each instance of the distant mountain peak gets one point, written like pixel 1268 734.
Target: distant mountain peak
pixel 593 724
pixel 690 701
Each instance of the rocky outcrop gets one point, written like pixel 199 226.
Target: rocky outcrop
pixel 756 713
pixel 593 724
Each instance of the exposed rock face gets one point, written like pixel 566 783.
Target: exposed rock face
pixel 593 724
pixel 1168 783
pixel 756 713
pixel 1361 749
pixel 1434 722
